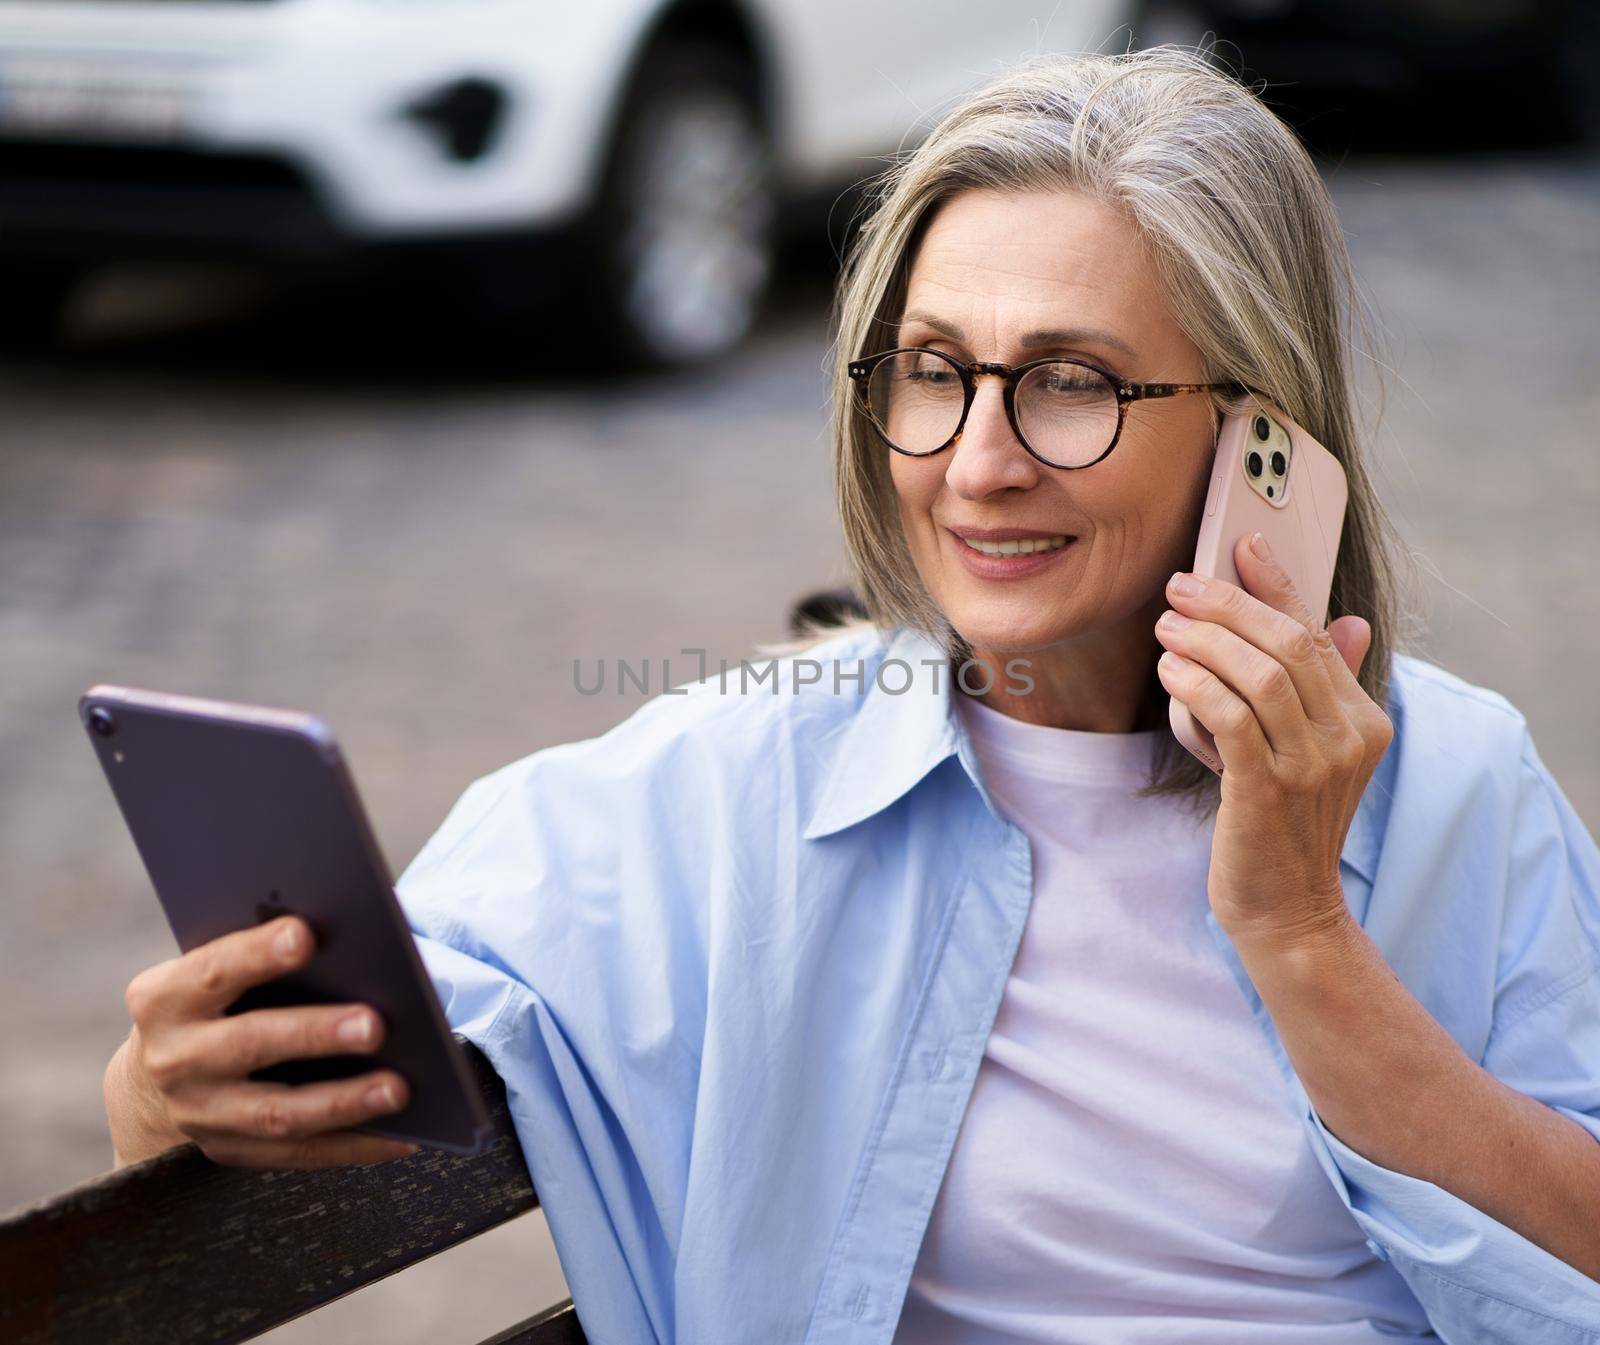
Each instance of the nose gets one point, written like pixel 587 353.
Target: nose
pixel 988 456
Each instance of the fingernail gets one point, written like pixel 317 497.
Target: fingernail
pixel 288 941
pixel 356 1030
pixel 1258 544
pixel 1186 584
pixel 381 1095
pixel 1173 620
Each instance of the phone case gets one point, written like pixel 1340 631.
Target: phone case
pixel 243 814
pixel 1302 524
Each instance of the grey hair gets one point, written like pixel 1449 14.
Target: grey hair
pixel 1247 248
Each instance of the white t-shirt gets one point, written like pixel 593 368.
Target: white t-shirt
pixel 1129 1169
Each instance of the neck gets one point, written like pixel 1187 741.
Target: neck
pixel 1103 683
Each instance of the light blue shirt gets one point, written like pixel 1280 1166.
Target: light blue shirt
pixel 736 961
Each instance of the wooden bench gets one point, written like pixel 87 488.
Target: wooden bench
pixel 178 1248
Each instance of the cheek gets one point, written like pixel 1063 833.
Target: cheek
pixel 916 486
pixel 1158 489
pixel 1146 516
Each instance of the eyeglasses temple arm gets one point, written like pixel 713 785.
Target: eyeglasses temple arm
pixel 1134 392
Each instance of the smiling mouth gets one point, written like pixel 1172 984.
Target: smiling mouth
pixel 1025 546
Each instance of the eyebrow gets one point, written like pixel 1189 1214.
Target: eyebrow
pixel 1045 336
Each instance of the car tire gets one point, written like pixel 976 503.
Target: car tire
pixel 34 294
pixel 677 252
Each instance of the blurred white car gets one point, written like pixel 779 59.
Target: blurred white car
pixel 631 160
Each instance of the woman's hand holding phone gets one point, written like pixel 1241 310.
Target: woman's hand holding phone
pixel 182 1074
pixel 1299 735
pixel 1264 692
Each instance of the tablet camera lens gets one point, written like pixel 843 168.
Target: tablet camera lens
pixel 1280 464
pixel 102 721
pixel 1253 462
pixel 1263 428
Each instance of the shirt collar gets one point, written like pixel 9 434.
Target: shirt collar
pixel 899 735
pixel 894 739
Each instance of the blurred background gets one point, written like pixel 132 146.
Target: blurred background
pixel 383 357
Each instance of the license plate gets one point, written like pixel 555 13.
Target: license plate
pixel 72 99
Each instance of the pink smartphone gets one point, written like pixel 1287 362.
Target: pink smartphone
pixel 1273 477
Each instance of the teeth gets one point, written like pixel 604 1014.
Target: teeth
pixel 1026 547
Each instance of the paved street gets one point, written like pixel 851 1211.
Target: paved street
pixel 397 527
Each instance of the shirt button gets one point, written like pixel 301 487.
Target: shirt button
pixel 1377 1249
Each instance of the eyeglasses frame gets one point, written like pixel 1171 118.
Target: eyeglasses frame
pixel 1126 391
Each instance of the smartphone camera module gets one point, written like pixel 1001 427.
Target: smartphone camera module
pixel 102 721
pixel 1267 458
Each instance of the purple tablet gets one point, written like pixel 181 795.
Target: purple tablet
pixel 242 814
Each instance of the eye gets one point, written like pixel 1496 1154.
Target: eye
pixel 919 367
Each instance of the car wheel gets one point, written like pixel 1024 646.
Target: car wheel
pixel 681 240
pixel 34 293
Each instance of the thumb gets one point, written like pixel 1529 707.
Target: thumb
pixel 1352 635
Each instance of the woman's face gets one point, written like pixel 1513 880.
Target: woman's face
pixel 991 268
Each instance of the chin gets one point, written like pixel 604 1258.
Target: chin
pixel 1001 632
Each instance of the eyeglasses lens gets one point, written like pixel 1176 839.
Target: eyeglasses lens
pixel 1067 412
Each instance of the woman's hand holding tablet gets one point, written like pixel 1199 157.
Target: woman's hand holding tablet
pixel 182 1073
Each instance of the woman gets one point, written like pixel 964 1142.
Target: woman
pixel 918 985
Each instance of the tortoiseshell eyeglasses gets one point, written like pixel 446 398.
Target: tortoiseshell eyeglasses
pixel 1066 413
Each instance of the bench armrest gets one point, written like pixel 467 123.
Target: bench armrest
pixel 191 1250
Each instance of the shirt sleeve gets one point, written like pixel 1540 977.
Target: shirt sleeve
pixel 1478 1279
pixel 474 991
pixel 549 940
